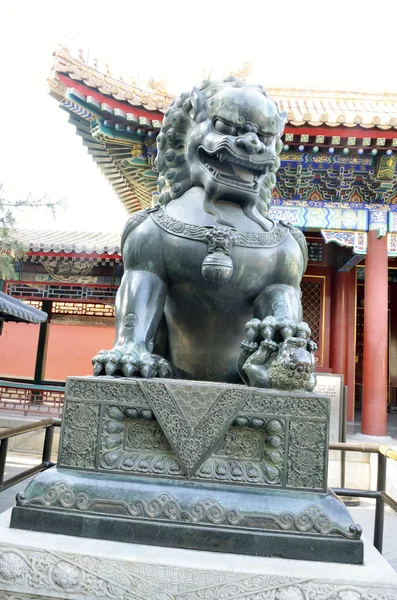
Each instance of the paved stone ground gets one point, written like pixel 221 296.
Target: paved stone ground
pixel 363 514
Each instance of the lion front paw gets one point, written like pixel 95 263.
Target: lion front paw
pixel 131 362
pixel 280 354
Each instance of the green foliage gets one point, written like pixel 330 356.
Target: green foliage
pixel 10 249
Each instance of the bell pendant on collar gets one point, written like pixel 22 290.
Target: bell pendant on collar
pixel 217 267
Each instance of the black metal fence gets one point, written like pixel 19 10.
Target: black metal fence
pixel 5 435
pixel 380 495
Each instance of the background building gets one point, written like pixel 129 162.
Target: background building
pixel 337 182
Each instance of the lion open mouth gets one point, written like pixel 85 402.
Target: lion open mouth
pixel 227 168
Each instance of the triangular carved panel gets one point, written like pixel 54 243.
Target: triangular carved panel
pixel 193 416
pixel 194 403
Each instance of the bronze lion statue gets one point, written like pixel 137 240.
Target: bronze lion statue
pixel 207 264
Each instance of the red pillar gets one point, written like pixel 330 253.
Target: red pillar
pixel 339 311
pixel 374 406
pixel 342 357
pixel 393 345
pixel 350 373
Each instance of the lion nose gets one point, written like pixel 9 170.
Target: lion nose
pixel 250 144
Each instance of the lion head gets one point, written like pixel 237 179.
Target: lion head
pixel 225 137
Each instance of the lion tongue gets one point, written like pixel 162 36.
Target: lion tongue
pixel 243 175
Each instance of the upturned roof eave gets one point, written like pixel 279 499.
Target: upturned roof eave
pixel 365 109
pixel 12 309
pixel 82 243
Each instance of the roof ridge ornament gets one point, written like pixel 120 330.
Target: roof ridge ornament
pixel 243 72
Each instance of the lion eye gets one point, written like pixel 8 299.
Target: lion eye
pixel 225 128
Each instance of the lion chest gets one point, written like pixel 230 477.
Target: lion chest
pixel 244 271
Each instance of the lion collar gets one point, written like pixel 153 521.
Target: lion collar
pixel 200 233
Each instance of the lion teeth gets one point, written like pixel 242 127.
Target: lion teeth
pixel 231 181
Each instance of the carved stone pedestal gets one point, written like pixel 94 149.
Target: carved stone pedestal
pixel 197 465
pixel 45 566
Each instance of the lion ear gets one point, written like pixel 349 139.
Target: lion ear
pixel 199 112
pixel 283 119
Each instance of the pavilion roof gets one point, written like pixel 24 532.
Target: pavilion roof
pixel 337 108
pixel 76 242
pixel 12 309
pixel 156 100
pixel 333 108
pixel 119 122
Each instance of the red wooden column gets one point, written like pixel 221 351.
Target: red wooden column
pixel 374 403
pixel 342 356
pixel 339 324
pixel 393 343
pixel 350 372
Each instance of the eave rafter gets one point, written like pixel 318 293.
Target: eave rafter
pixel 334 142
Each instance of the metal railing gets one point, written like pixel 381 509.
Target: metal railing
pixel 380 495
pixel 49 426
pixel 31 398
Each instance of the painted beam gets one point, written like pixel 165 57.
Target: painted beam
pixel 351 262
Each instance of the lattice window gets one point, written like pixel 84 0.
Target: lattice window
pixel 311 305
pixel 53 291
pixel 82 309
pixel 35 303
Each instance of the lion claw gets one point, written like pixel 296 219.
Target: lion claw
pixel 110 368
pixel 269 345
pixel 98 367
pixel 148 370
pixel 128 369
pixel 164 369
pixel 255 362
pixel 130 362
pixel 311 346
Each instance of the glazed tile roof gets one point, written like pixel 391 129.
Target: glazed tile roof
pixel 337 108
pixel 304 106
pixel 78 242
pixel 105 84
pixel 118 123
pixel 12 309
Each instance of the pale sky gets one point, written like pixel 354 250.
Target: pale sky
pixel 338 44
